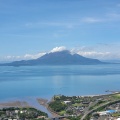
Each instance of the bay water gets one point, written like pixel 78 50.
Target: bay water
pixel 45 81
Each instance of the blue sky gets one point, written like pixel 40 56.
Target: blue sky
pixel 30 28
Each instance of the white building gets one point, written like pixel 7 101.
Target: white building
pixel 66 102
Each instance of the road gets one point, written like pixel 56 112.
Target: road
pixel 87 109
pixel 95 109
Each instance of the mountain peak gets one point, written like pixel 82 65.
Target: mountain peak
pixel 63 57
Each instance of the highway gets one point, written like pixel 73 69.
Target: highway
pixel 95 109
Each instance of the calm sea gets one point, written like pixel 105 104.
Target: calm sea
pixel 29 82
pixel 46 81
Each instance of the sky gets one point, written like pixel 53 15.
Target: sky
pixel 31 28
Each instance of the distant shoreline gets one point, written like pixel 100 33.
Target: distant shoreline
pixel 19 104
pixel 43 102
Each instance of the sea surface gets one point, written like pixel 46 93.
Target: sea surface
pixel 27 82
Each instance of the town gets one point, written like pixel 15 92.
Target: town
pixel 92 107
pixel 13 113
pixel 96 107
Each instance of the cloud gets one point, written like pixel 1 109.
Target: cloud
pixel 24 57
pixel 114 15
pixel 91 20
pixel 12 57
pixel 95 54
pixel 30 56
pixel 90 52
pixel 100 55
pixel 101 52
pixel 107 17
pixel 51 23
pixel 57 49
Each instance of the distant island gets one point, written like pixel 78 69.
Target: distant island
pixel 57 58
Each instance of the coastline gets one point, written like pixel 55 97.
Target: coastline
pixel 25 104
pixel 42 102
pixel 19 104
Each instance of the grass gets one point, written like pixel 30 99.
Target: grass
pixel 116 96
pixel 77 104
pixel 63 103
pixel 116 114
pixel 62 112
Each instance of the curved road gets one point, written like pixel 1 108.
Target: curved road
pixel 89 112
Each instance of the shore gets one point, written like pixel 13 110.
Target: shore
pixel 41 101
pixel 44 102
pixel 14 104
pixel 21 104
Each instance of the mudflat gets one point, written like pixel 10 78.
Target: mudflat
pixel 14 104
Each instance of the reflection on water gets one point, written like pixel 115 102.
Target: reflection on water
pixel 45 81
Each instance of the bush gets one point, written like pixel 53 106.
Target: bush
pixel 57 106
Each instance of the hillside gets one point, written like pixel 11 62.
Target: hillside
pixel 57 58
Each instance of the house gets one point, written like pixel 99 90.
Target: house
pixel 107 112
pixel 41 117
pixel 66 102
pixel 16 111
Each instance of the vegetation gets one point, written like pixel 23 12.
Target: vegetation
pixel 22 113
pixel 57 106
pixel 62 112
pixel 85 108
pixel 116 96
pixel 116 114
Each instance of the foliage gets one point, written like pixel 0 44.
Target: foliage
pixel 62 112
pixel 23 113
pixel 116 114
pixel 70 112
pixel 39 119
pixel 57 106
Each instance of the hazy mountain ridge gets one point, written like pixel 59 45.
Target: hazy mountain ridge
pixel 57 58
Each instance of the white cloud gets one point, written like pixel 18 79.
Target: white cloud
pixel 90 52
pixel 94 54
pixel 57 49
pixel 24 57
pixel 100 52
pixel 10 58
pixel 108 17
pixel 114 15
pixel 30 56
pixel 91 20
pixel 68 25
